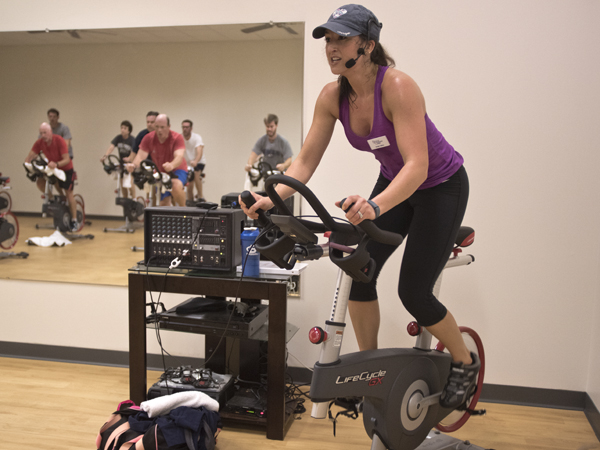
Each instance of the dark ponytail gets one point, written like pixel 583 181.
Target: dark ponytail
pixel 378 56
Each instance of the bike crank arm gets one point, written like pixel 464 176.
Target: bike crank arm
pixel 428 401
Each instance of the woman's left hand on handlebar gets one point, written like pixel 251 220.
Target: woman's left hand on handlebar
pixel 360 210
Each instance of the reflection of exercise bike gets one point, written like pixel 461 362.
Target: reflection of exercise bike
pixel 157 182
pixel 9 225
pixel 56 206
pixel 133 209
pixel 400 387
pixel 149 174
pixel 191 184
pixel 261 170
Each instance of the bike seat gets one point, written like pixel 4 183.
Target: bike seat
pixel 465 237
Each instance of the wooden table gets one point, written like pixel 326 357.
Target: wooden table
pixel 272 290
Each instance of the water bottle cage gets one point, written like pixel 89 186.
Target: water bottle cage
pixel 279 251
pixel 358 265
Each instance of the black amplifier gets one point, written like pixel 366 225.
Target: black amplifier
pixel 202 239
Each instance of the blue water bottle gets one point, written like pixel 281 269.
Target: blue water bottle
pixel 250 257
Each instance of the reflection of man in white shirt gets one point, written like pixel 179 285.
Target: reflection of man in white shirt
pixel 194 155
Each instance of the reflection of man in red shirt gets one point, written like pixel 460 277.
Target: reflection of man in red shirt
pixel 166 148
pixel 55 149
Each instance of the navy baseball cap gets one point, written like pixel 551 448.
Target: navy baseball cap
pixel 351 20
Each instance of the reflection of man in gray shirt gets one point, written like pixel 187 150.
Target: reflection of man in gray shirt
pixel 60 128
pixel 275 149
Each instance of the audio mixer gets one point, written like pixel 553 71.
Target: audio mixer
pixel 203 239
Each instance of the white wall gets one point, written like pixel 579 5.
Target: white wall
pixel 95 87
pixel 83 316
pixel 513 85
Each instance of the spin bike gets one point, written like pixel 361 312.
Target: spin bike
pixel 401 387
pixel 133 209
pixel 9 225
pixel 56 206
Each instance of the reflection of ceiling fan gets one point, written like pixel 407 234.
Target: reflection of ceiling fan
pixel 266 26
pixel 73 33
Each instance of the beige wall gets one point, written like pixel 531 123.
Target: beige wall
pixel 513 85
pixel 95 87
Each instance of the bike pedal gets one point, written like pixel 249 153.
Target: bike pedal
pixel 473 412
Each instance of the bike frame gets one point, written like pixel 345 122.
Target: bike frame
pixel 362 374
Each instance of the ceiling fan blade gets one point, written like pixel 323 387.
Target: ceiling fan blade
pixel 258 28
pixel 45 31
pixel 288 29
pixel 99 32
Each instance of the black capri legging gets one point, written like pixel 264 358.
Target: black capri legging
pixel 430 220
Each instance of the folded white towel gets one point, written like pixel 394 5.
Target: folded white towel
pixel 163 405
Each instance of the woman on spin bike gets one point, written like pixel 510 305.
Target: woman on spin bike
pixel 421 192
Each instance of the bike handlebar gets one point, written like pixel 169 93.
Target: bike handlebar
pixel 299 233
pixel 369 228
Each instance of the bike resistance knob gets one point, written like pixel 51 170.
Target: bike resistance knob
pixel 316 335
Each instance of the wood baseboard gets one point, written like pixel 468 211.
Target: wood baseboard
pixel 592 414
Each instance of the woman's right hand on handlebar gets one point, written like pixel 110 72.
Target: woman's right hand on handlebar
pixel 357 209
pixel 263 203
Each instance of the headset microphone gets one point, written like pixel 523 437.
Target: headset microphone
pixel 351 62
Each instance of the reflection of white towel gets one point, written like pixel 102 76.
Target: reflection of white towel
pixel 55 239
pixel 247 183
pixel 193 399
pixel 127 180
pixel 29 167
pixel 60 174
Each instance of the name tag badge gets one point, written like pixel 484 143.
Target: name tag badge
pixel 378 142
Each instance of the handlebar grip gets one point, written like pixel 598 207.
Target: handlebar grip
pixel 249 200
pixel 382 236
pixel 342 204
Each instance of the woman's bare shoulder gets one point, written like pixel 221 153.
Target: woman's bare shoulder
pixel 398 88
pixel 330 91
pixel 329 98
pixel 396 79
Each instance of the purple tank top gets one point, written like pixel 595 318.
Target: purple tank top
pixel 444 161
